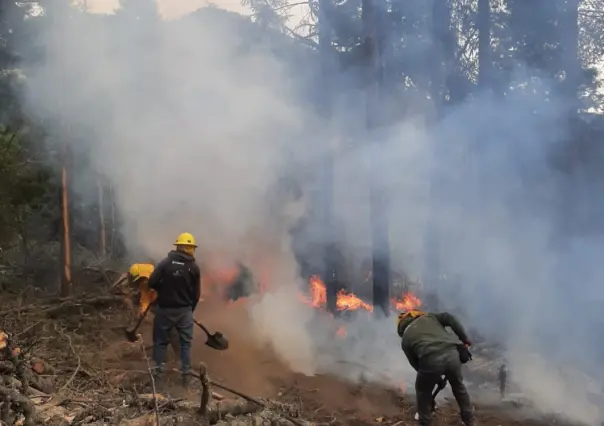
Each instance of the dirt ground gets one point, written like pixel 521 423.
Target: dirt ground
pixel 324 399
pixel 92 359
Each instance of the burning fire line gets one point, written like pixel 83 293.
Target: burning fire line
pixel 317 298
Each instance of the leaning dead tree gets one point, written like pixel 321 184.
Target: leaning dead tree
pixel 102 231
pixel 66 283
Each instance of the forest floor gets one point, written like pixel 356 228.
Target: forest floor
pixel 80 369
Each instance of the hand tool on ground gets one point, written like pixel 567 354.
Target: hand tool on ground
pixel 439 387
pixel 131 334
pixel 215 340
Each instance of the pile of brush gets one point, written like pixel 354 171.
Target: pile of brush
pixel 22 382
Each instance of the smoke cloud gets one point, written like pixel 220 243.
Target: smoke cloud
pixel 197 125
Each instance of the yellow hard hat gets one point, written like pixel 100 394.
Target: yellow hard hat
pixel 134 272
pixel 185 239
pixel 141 270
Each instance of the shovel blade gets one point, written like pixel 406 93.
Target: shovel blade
pixel 131 336
pixel 217 341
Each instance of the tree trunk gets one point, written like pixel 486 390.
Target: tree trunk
pixel 112 207
pixel 441 20
pixel 328 274
pixel 102 232
pixel 455 81
pixel 438 55
pixel 484 43
pixel 570 56
pixel 66 283
pixel 379 216
pixel 573 164
pixel 24 239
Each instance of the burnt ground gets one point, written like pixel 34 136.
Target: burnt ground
pixel 325 399
pixel 90 361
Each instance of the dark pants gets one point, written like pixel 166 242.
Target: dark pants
pixel 174 342
pixel 429 374
pixel 164 322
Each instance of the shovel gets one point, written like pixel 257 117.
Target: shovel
pixel 131 334
pixel 441 385
pixel 216 340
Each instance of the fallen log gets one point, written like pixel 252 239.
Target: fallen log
pixel 26 372
pixel 18 382
pixel 215 410
pixel 32 380
pixel 219 409
pixel 41 367
pixel 57 306
pixel 95 302
pixel 18 371
pixel 31 391
pixel 120 280
pixel 40 383
pixel 19 403
pixel 54 310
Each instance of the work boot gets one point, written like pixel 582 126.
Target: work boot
pixel 158 379
pixel 160 385
pixel 185 380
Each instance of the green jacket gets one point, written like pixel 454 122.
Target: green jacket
pixel 426 336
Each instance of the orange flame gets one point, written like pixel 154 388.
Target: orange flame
pixel 350 302
pixel 407 303
pixel 218 275
pixel 147 297
pixel 318 292
pixel 317 298
pixel 341 332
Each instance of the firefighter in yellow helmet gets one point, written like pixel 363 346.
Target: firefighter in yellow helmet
pixel 138 275
pixel 435 352
pixel 177 281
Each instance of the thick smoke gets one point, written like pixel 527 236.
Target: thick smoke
pixel 193 131
pixel 195 124
pixel 197 131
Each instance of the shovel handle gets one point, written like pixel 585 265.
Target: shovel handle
pixel 200 325
pixel 441 385
pixel 140 320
